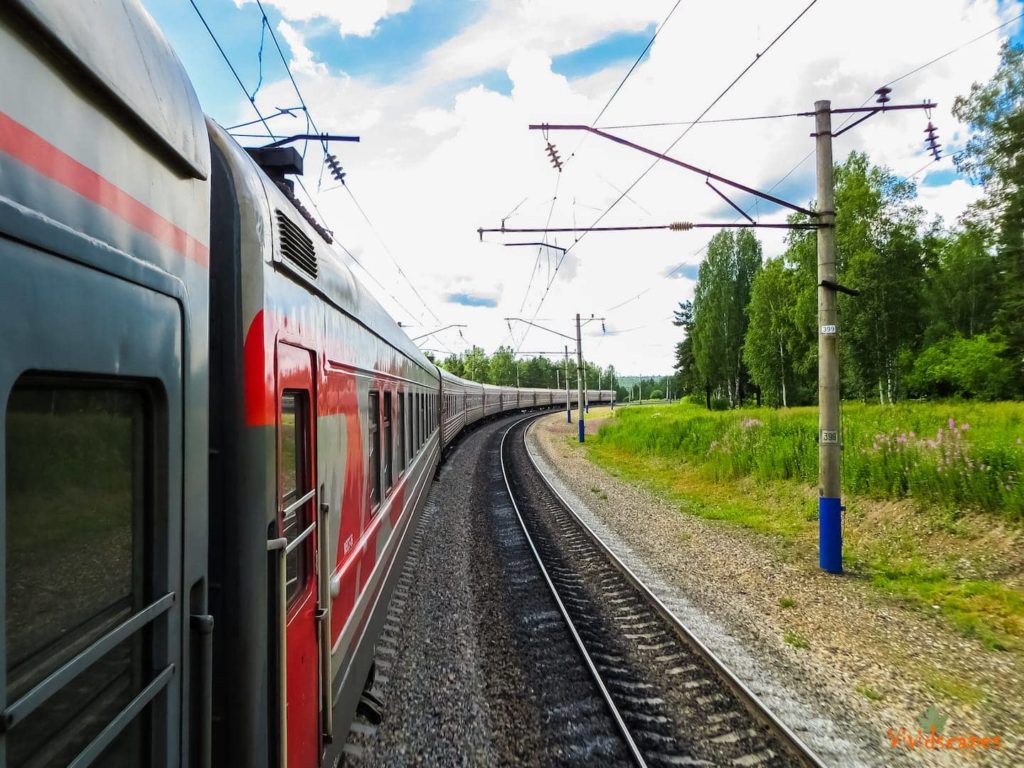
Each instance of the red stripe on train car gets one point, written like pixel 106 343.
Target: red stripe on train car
pixel 33 150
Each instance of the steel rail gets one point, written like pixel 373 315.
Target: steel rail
pixel 754 705
pixel 634 750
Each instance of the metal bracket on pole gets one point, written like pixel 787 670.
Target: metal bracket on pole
pixel 834 286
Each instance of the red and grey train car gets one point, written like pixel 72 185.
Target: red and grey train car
pixel 215 441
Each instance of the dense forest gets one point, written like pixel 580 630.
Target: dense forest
pixel 941 307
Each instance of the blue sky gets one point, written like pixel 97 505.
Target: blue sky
pixel 392 53
pixel 441 92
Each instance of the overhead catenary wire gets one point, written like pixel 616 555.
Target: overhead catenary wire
pixel 312 124
pixel 387 250
pixel 359 207
pixel 758 57
pixel 846 120
pixel 583 138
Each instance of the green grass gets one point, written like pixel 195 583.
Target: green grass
pixel 962 456
pixel 796 640
pixel 931 522
pixel 787 602
pixel 869 693
pixel 957 690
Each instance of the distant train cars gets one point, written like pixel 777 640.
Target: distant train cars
pixel 215 441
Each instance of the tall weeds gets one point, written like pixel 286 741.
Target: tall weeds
pixel 960 455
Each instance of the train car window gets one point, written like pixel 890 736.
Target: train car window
pixel 374 462
pixel 411 443
pixel 389 445
pixel 79 514
pixel 294 481
pixel 400 426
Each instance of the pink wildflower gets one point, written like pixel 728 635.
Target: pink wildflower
pixel 964 427
pixel 952 424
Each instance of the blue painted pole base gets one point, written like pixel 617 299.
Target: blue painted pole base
pixel 581 430
pixel 830 534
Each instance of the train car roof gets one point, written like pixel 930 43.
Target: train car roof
pixel 117 46
pixel 321 265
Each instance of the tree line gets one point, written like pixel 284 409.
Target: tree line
pixel 503 369
pixel 941 308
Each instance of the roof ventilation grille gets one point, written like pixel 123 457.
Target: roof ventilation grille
pixel 296 246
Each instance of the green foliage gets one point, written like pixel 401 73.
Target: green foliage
pixel 923 290
pixel 476 366
pixel 656 394
pixel 959 456
pixel 963 280
pixel 970 368
pixel 994 155
pixel 768 349
pixel 719 312
pixel 501 369
pixel 795 639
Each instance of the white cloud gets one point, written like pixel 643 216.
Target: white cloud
pixel 353 17
pixel 302 58
pixel 435 163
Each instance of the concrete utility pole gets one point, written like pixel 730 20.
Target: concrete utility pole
pixel 579 372
pixel 568 400
pixel 517 374
pixel 558 380
pixel 830 523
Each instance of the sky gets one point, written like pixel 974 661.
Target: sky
pixel 441 94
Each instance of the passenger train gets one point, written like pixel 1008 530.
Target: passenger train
pixel 215 441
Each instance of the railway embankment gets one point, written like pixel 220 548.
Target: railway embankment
pixel 856 661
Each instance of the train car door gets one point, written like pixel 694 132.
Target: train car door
pixel 297 519
pixel 91 511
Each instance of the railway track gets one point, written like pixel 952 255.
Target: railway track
pixel 673 701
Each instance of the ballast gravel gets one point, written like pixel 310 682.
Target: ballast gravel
pixel 474 665
pixel 740 596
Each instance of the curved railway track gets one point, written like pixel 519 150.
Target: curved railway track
pixel 673 701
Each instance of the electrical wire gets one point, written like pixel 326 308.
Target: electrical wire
pixel 625 77
pixel 312 123
pixel 758 57
pixel 273 136
pixel 810 154
pixel 583 138
pixel 387 250
pixel 703 122
pixel 323 142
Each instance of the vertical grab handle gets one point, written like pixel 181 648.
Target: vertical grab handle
pixel 202 626
pixel 323 616
pixel 281 546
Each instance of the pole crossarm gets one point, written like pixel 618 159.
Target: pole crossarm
pixel 677 226
pixel 544 245
pixel 438 330
pixel 536 325
pixel 661 156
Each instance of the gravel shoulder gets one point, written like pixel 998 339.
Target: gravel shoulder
pixel 839 663
pixel 475 666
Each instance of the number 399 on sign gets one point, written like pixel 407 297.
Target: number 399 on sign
pixel 828 330
pixel 829 436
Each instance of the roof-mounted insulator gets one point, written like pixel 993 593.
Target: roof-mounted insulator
pixel 556 161
pixel 883 95
pixel 336 170
pixel 680 226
